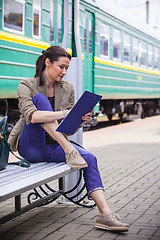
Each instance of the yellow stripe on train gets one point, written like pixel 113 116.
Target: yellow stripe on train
pixel 26 41
pixel 23 40
pixel 123 65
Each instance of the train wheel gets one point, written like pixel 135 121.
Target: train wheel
pixel 109 117
pixel 140 110
pixel 143 115
pixel 120 117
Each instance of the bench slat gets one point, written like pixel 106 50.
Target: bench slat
pixel 13 171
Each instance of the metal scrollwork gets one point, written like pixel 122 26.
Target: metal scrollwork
pixel 80 198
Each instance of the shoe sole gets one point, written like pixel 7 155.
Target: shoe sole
pixel 78 166
pixel 112 228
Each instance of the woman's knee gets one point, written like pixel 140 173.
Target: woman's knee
pixel 90 159
pixel 41 102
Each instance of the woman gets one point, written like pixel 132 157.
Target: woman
pixel 44 101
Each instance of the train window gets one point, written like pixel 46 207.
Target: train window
pixel 90 35
pixel 126 47
pixel 116 44
pixel 150 56
pixel 135 51
pixel 143 53
pixel 13 18
pixel 51 21
pixel 59 23
pixel 104 39
pixel 156 58
pixel 85 34
pixel 36 17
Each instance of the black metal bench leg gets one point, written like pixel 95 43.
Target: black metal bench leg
pixel 17 203
pixel 62 183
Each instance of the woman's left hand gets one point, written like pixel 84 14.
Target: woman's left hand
pixel 87 117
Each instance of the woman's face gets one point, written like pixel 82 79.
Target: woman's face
pixel 57 70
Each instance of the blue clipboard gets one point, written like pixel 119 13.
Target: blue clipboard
pixel 73 120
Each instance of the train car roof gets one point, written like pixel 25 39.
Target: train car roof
pixel 122 15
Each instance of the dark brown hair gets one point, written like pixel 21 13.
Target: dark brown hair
pixel 53 53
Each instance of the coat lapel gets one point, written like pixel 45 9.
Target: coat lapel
pixel 58 93
pixel 43 89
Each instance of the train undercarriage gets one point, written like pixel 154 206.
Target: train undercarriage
pixel 141 107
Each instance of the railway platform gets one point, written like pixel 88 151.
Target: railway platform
pixel 129 161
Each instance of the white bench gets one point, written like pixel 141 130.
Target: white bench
pixel 15 180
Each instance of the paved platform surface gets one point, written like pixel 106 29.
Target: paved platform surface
pixel 129 161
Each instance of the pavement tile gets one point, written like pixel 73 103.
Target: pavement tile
pixel 134 237
pixel 94 233
pixel 73 235
pixel 89 238
pixel 70 227
pixel 8 236
pixel 23 236
pixel 112 235
pixel 38 236
pixel 147 231
pixel 157 233
pixel 54 236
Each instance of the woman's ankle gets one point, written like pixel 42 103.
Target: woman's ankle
pixel 68 149
pixel 104 212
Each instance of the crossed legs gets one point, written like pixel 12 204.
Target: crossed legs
pixel 50 129
pixel 40 147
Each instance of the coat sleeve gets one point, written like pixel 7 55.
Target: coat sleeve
pixel 71 98
pixel 25 95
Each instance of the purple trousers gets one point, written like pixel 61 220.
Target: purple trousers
pixel 32 146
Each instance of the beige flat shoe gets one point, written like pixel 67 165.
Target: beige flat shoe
pixel 111 223
pixel 75 160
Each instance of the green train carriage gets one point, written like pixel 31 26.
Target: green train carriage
pixel 126 63
pixel 120 62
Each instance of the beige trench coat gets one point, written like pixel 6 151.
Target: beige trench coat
pixel 64 98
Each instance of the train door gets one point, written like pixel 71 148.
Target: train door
pixel 56 21
pixel 88 51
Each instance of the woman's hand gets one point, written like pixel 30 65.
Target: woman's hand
pixel 87 117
